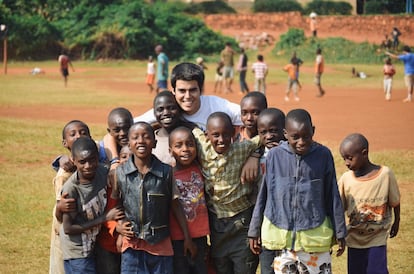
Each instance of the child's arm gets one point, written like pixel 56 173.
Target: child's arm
pixel 396 225
pixel 64 205
pixel 71 228
pixel 182 221
pixel 111 148
pixel 250 169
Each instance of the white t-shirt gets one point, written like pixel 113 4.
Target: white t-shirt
pixel 151 68
pixel 208 105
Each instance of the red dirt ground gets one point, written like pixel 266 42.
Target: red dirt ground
pixel 388 125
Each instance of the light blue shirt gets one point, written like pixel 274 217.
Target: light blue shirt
pixel 162 67
pixel 408 60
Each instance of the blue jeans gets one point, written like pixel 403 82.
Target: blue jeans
pixel 138 261
pixel 367 260
pixel 106 261
pixel 81 265
pixel 186 265
pixel 162 84
pixel 266 258
pixel 243 84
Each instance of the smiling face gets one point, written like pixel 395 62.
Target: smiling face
pixel 166 111
pixel 72 132
pixel 299 135
pixel 220 132
pixel 86 162
pixel 187 94
pixel 118 126
pixel 270 130
pixel 141 140
pixel 183 147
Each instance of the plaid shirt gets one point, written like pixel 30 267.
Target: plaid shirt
pixel 227 196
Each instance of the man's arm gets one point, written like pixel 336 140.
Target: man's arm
pixel 392 55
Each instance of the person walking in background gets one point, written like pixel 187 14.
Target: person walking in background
pixel 242 68
pixel 298 62
pixel 162 68
pixel 200 62
pixel 260 71
pixel 227 57
pixel 408 58
pixel 150 73
pixel 291 69
pixel 389 72
pixel 313 24
pixel 64 63
pixel 218 78
pixel 395 34
pixel 319 67
pixel 369 194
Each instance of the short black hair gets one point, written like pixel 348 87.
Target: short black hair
pixel 299 115
pixel 74 122
pixel 274 112
pixel 221 115
pixel 358 140
pixel 406 49
pixel 122 112
pixel 84 144
pixel 164 93
pixel 181 128
pixel 260 57
pixel 188 72
pixel 144 124
pixel 257 95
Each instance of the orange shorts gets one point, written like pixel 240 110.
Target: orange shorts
pixel 150 79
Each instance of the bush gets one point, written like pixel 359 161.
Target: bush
pixel 209 7
pixel 276 6
pixel 328 8
pixel 335 49
pixel 293 38
pixel 376 8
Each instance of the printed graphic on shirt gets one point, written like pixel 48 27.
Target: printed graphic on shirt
pixel 191 195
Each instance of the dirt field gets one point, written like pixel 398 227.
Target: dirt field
pixel 388 125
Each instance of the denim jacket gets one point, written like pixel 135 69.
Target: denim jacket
pixel 299 192
pixel 146 200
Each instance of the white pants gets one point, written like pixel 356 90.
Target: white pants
pixel 387 87
pixel 302 262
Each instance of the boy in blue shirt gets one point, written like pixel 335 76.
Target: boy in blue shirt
pixel 298 210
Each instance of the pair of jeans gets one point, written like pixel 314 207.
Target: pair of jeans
pixel 243 85
pixel 185 264
pixel 80 265
pixel 139 261
pixel 107 262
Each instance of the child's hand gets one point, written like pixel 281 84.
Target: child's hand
pixel 250 170
pixel 66 163
pixel 115 214
pixel 341 247
pixel 255 245
pixel 66 205
pixel 190 247
pixel 395 228
pixel 125 229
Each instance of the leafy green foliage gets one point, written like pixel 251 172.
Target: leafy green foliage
pixel 335 49
pixel 209 7
pixel 276 6
pixel 110 29
pixel 328 8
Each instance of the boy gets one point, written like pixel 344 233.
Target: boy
pixel 369 192
pixel 146 191
pixel 250 106
pixel 80 228
pixel 270 125
pixel 299 198
pixel 190 183
pixel 319 68
pixel 292 69
pixel 260 70
pixel 169 117
pixel 389 71
pixel 72 131
pixel 229 201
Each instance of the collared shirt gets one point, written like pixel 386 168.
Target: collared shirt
pixel 227 195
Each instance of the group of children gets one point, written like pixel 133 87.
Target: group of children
pixel 176 201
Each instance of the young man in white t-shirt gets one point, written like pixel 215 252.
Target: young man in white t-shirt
pixel 187 81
